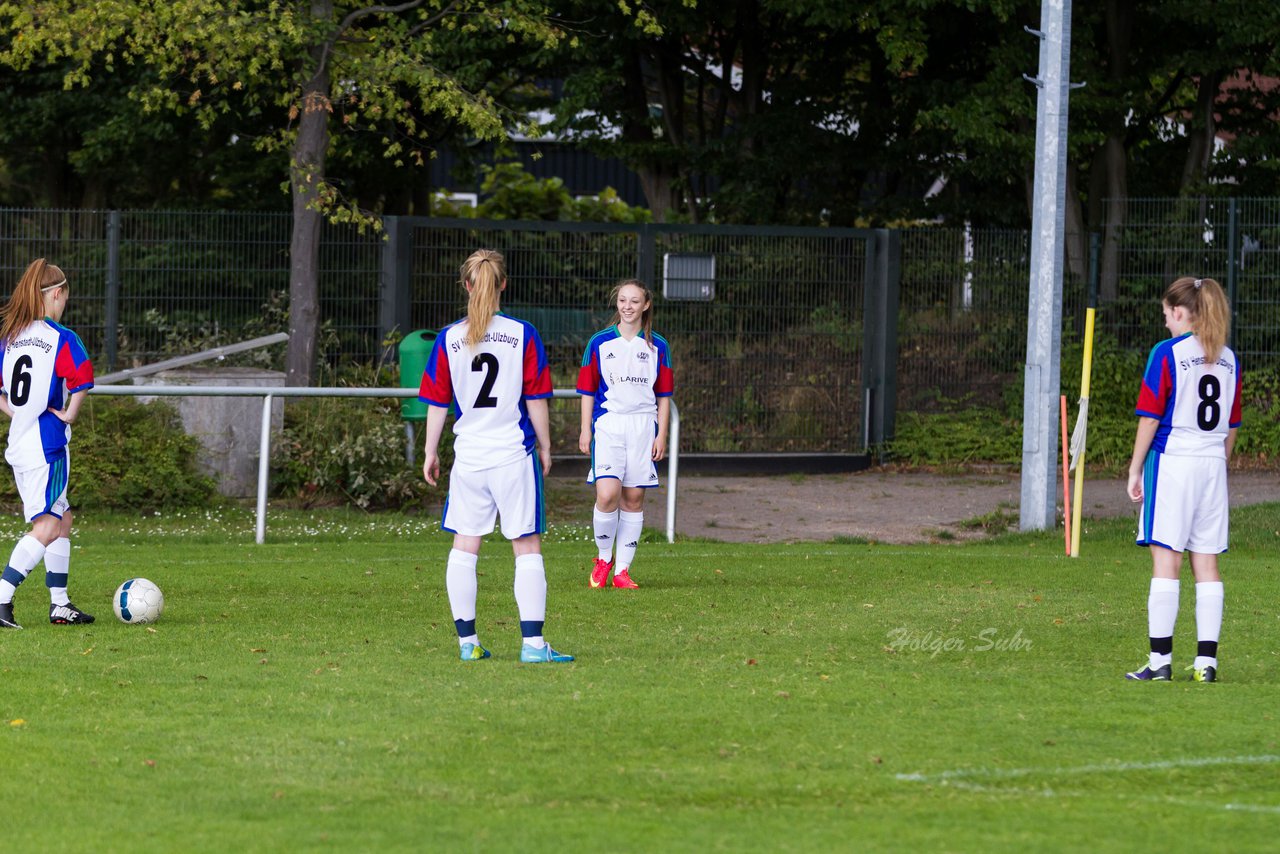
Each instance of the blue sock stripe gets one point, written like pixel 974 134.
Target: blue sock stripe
pixel 466 628
pixel 55 579
pixel 12 576
pixel 531 628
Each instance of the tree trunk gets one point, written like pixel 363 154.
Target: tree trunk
pixel 306 177
pixel 1201 130
pixel 1116 162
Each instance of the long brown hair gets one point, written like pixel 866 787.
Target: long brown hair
pixel 646 316
pixel 486 271
pixel 1210 312
pixel 26 304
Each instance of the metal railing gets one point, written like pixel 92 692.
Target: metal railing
pixel 264 445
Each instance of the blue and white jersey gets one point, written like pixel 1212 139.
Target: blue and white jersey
pixel 1195 401
pixel 488 385
pixel 40 369
pixel 625 377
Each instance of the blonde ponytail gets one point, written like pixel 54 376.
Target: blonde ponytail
pixel 486 272
pixel 1206 302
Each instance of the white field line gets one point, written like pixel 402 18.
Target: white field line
pixel 1109 768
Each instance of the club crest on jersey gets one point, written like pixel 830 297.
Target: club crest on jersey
pixel 642 356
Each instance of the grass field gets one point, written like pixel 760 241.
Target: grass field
pixel 306 695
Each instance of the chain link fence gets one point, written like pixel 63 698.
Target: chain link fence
pixel 772 361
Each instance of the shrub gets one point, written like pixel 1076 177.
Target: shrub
pixel 347 450
pixel 127 455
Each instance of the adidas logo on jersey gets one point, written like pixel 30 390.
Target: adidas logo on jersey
pixel 610 356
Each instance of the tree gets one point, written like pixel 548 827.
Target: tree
pixel 319 68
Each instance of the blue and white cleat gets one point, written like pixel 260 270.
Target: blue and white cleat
pixel 1146 674
pixel 472 652
pixel 533 655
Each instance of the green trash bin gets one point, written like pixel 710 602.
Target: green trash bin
pixel 414 350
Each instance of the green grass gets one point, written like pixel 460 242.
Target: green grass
pixel 306 695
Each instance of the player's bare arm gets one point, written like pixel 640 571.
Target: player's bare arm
pixel 584 436
pixel 664 419
pixel 541 421
pixel 435 427
pixel 1141 444
pixel 68 415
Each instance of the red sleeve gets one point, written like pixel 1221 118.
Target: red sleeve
pixel 589 374
pixel 1157 383
pixel 77 372
pixel 437 384
pixel 537 373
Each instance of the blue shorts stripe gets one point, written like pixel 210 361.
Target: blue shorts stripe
pixel 1146 521
pixel 540 505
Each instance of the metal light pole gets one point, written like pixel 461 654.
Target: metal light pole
pixel 1044 315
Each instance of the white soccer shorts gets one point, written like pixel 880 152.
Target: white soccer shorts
pixel 512 492
pixel 1184 504
pixel 622 448
pixel 44 489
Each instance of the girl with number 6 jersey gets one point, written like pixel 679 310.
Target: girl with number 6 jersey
pixel 1188 412
pixel 626 386
pixel 45 374
pixel 493 370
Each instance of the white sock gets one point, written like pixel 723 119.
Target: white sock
pixel 630 526
pixel 605 526
pixel 460 582
pixel 1162 613
pixel 1209 599
pixel 26 554
pixel 531 597
pixel 57 562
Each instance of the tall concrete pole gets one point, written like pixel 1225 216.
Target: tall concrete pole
pixel 1044 315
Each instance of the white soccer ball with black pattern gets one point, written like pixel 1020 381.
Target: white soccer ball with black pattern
pixel 138 601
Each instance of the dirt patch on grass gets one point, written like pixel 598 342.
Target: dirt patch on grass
pixel 880 505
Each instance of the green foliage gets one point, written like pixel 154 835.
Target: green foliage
pixel 336 450
pixel 132 456
pixel 1259 435
pixel 509 192
pixel 970 435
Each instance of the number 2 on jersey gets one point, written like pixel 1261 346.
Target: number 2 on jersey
pixel 488 363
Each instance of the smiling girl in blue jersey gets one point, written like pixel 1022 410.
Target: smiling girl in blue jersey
pixel 626 385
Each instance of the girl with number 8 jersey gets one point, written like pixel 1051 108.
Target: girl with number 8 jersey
pixel 1188 413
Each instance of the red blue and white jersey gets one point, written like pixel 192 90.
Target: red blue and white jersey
pixel 1196 402
pixel 625 377
pixel 488 385
pixel 40 368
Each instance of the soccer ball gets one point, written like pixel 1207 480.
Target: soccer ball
pixel 138 601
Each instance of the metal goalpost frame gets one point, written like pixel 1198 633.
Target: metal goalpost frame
pixel 268 396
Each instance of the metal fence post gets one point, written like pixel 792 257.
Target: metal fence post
pixel 1233 259
pixel 880 336
pixel 111 296
pixel 395 277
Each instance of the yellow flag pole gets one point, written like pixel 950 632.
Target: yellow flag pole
pixel 1084 403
